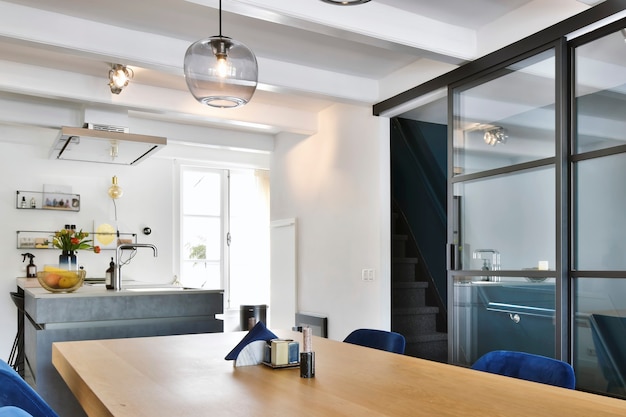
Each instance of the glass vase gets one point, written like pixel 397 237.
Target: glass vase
pixel 67 260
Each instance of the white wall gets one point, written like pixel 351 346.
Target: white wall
pixel 336 183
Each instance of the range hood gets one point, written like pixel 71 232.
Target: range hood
pixel 105 144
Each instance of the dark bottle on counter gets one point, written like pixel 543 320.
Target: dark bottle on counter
pixel 31 268
pixel 108 276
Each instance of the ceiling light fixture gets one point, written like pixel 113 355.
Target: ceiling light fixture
pixel 496 135
pixel 345 2
pixel 119 76
pixel 220 71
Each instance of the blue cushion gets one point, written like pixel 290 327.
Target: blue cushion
pixel 258 332
pixel 10 411
pixel 16 392
pixel 527 366
pixel 378 339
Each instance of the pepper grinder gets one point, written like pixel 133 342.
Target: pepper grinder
pixel 307 357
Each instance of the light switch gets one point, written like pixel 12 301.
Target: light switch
pixel 367 275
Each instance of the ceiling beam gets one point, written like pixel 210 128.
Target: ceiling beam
pixel 95 41
pixel 75 89
pixel 397 31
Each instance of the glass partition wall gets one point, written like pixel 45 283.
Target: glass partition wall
pixel 504 183
pixel 537 152
pixel 599 225
pixel 535 200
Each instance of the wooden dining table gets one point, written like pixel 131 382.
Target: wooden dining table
pixel 187 375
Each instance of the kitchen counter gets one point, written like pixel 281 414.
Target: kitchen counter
pixel 96 303
pixel 92 312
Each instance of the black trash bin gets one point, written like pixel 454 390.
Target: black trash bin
pixel 256 312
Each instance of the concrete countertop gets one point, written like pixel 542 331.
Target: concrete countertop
pixel 90 289
pixel 96 303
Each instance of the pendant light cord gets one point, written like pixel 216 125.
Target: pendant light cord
pixel 117 228
pixel 115 208
pixel 220 18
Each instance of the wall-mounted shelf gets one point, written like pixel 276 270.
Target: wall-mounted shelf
pixel 42 239
pixel 37 200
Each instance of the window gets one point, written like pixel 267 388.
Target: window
pixel 225 233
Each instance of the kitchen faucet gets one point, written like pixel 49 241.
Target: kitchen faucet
pixel 117 278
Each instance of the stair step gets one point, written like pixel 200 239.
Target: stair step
pixel 409 294
pixel 403 269
pixel 401 260
pixel 411 311
pixel 431 346
pixel 428 337
pixel 414 321
pixel 398 246
pixel 409 284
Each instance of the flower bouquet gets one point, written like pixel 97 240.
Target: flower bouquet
pixel 70 241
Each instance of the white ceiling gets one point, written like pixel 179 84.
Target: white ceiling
pixel 311 54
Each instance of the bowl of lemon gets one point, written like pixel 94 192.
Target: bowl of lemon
pixel 55 279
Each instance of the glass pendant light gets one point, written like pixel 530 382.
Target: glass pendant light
pixel 345 2
pixel 220 71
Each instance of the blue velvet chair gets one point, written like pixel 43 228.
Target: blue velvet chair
pixel 14 391
pixel 527 366
pixel 378 339
pixel 11 411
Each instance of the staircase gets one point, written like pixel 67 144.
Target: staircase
pixel 414 309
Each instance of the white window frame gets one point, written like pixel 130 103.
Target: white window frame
pixel 225 171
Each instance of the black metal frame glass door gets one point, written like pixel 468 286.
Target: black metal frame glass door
pixel 504 138
pixel 599 171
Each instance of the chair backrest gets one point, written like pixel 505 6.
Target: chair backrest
pixel 16 392
pixel 378 339
pixel 527 366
